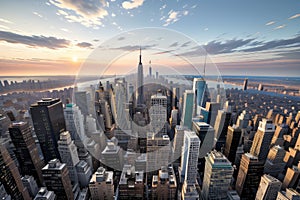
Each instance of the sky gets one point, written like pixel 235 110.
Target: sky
pixel 66 37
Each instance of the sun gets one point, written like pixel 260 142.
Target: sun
pixel 74 59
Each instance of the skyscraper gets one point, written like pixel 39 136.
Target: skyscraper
pixel 206 134
pixel 188 167
pixel 189 157
pixel 217 176
pixel 57 179
pixel 68 153
pixel 74 122
pixel 26 150
pixel 158 113
pixel 262 139
pixel 221 127
pixel 268 188
pixel 140 81
pixel 245 84
pixel 48 121
pixel 250 171
pixel 10 176
pixel 188 106
pixel 30 184
pixel 232 142
pixel 199 85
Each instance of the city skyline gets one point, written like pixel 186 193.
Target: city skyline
pixel 55 37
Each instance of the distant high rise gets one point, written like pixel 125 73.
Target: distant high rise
pixel 250 171
pixel 156 75
pixel 74 123
pixel 212 108
pixel 178 141
pixel 206 134
pixel 232 142
pixel 48 121
pixel 268 188
pixel 189 161
pixel 57 179
pixel 217 176
pixel 68 153
pixel 26 150
pixel 150 70
pixel 221 127
pixel 245 84
pixel 82 99
pixel 175 97
pixel 140 81
pixel 101 185
pixel 199 85
pixel 158 113
pixel 262 139
pixel 188 106
pixel 10 176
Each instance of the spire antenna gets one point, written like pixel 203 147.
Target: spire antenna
pixel 140 55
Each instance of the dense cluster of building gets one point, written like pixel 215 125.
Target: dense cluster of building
pixel 172 143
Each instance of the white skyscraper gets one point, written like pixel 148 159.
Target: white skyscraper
pixel 217 176
pixel 68 153
pixel 189 162
pixel 74 122
pixel 158 113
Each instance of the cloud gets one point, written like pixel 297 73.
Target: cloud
pixel 133 47
pixel 89 13
pixel 65 30
pixel 280 27
pixel 121 38
pixel 175 44
pixel 163 7
pixel 5 21
pixel 84 45
pixel 206 29
pixel 34 40
pixel 217 47
pixel 185 44
pixel 132 4
pixel 270 23
pixel 113 14
pixel 291 42
pixel 295 16
pixel 172 18
pixel 37 14
pixel 163 52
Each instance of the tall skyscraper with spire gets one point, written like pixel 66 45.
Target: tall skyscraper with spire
pixel 140 81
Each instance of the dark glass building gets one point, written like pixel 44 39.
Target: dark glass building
pixel 10 176
pixel 48 121
pixel 26 150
